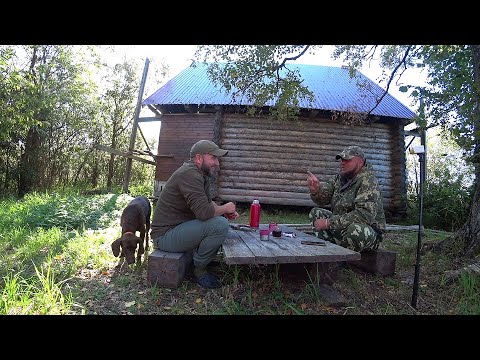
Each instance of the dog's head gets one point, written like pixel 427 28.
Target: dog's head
pixel 128 243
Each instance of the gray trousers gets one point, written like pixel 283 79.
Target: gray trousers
pixel 203 237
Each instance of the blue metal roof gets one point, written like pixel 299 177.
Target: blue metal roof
pixel 332 86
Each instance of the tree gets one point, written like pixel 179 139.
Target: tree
pixel 451 98
pixel 46 108
pixel 448 189
pixel 119 106
pixel 54 102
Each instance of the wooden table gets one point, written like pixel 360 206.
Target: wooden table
pixel 245 247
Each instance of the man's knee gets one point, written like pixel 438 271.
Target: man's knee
pixel 359 237
pixel 218 225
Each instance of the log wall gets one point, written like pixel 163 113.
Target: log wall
pixel 268 159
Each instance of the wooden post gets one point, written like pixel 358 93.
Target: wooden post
pixel 128 170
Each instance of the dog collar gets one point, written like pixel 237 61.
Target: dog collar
pixel 128 232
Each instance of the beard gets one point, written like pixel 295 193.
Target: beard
pixel 209 171
pixel 348 174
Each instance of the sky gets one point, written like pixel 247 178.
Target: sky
pixel 179 57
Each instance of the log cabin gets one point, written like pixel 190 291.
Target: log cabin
pixel 268 158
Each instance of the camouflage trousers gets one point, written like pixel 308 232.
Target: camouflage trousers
pixel 357 237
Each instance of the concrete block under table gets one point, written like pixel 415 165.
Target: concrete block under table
pixel 380 261
pixel 167 269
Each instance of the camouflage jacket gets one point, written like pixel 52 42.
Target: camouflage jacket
pixel 356 201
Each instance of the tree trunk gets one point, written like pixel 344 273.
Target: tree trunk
pixel 466 241
pixel 110 171
pixel 95 174
pixel 111 162
pixel 29 162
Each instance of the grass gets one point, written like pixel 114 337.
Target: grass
pixel 55 258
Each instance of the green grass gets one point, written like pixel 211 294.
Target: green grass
pixel 274 213
pixel 469 299
pixel 47 239
pixel 55 258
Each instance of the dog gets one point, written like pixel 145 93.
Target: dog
pixel 135 217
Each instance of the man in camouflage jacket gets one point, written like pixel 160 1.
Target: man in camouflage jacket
pixel 356 220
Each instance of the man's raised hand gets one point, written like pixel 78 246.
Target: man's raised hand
pixel 312 183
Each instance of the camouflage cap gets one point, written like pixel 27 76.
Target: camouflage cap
pixel 349 152
pixel 207 147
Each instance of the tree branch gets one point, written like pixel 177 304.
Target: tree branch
pixel 392 75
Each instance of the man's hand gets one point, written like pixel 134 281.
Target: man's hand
pixel 229 208
pixel 232 216
pixel 321 224
pixel 230 211
pixel 312 183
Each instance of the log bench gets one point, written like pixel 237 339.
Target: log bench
pixel 167 269
pixel 380 261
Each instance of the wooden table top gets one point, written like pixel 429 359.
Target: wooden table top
pixel 245 247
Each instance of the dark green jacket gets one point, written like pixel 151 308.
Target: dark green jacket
pixel 357 201
pixel 185 196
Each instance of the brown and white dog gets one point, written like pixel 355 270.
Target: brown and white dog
pixel 135 217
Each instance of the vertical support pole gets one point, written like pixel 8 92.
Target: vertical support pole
pixel 423 139
pixel 420 230
pixel 128 170
pixel 423 173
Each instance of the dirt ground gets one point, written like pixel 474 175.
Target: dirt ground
pixel 275 290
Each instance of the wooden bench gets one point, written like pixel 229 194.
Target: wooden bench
pixel 167 269
pixel 380 261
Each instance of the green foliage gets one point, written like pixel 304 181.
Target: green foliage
pixel 141 190
pixel 57 210
pixel 446 204
pixel 470 285
pixel 35 296
pixel 43 243
pixel 448 188
pixel 63 100
pixel 451 97
pixel 274 213
pixel 238 69
pixel 54 270
pixel 50 107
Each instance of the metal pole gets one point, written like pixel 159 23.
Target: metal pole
pixel 420 230
pixel 128 170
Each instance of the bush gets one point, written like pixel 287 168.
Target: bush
pixel 446 203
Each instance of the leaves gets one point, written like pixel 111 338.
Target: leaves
pixel 129 304
pixel 260 75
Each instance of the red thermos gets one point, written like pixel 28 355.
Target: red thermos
pixel 255 214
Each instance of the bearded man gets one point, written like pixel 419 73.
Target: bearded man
pixel 186 218
pixel 356 219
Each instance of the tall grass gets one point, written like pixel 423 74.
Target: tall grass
pixel 37 295
pixel 44 240
pixel 55 258
pixel 470 301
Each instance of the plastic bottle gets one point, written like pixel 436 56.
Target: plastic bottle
pixel 255 214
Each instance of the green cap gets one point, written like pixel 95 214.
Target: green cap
pixel 349 152
pixel 207 147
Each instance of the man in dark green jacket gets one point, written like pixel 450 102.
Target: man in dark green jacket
pixel 356 220
pixel 186 218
